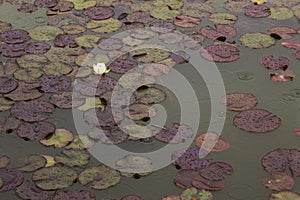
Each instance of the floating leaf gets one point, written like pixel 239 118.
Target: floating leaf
pixel 211 142
pixel 194 194
pixel 80 142
pixel 236 6
pixel 285 195
pixel 282 75
pixel 150 95
pixel 148 55
pixel 284 32
pixel 135 79
pixel 83 4
pixel 122 65
pixel 8 124
pixel 30 163
pixel 29 191
pixel 219 31
pixel 109 44
pixel 68 194
pixel 239 101
pixel 257 40
pixel 104 26
pixel 137 132
pixel 73 28
pixel 32 111
pixel 223 18
pixel 35 131
pixel 269 62
pixel 133 164
pixel 45 3
pixel 8 68
pixel 112 135
pixel 220 53
pixel 4 161
pixel 57 68
pixel 162 26
pixel 175 133
pixel 13 50
pixel 284 3
pixel 143 17
pixel 49 161
pixel 51 83
pixel 292 44
pixel 53 178
pixel 10 178
pixel 60 138
pixel 45 32
pixel 28 74
pixel 65 40
pixel 297 131
pixel 140 111
pixel 281 13
pixel 186 21
pixel 25 91
pixel 200 10
pixel 131 197
pixel 7 84
pixel 27 61
pixel 280 182
pixel 156 69
pixel 63 6
pixel 164 13
pixel 100 177
pixel 15 36
pixel 37 47
pixel 4 26
pixel 73 158
pixel 171 38
pixel 88 41
pixel 91 102
pixel 257 11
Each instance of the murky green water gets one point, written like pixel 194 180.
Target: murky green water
pixel 246 150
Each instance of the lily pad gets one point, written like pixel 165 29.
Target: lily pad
pixel 98 13
pixel 45 3
pixel 73 28
pixel 139 111
pixel 137 132
pixel 171 38
pixel 135 79
pixel 270 62
pixel 53 178
pixel 45 32
pixel 80 142
pixel 7 84
pixel 283 3
pixel 5 104
pixel 200 10
pixel 186 21
pixel 236 6
pixel 60 138
pixel 29 191
pixel 13 50
pixel 292 44
pixel 193 193
pixel 15 36
pixel 73 158
pixel 109 44
pixel 162 26
pixel 37 47
pixel 25 91
pixel 222 18
pixel 32 111
pixel 220 53
pixel 4 161
pixel 284 32
pixel 83 4
pixel 91 102
pixel 285 195
pixel 143 17
pixel 156 69
pixel 99 177
pixel 257 40
pixel 257 121
pixel 35 131
pixel 219 31
pixel 49 161
pixel 282 75
pixel 8 68
pixel 281 13
pixel 122 65
pixel 279 182
pixel 8 124
pixel 28 74
pixel 150 54
pixel 64 55
pixel 130 41
pixel 257 11
pixel 54 84
pixel 30 163
pixel 63 40
pixel 133 164
pixel 57 68
pixel 175 133
pixel 239 101
pixel 88 41
pixel 150 95
pixel 68 194
pixel 112 135
pixel 211 142
pixel 29 61
pixel 104 26
pixel 11 179
pixel 4 26
pixel 164 13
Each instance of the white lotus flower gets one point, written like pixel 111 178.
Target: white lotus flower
pixel 100 68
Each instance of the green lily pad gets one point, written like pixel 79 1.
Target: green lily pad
pixel 91 102
pixel 31 60
pixel 285 195
pixel 164 13
pixel 137 132
pixel 30 163
pixel 8 68
pixel 257 40
pixel 150 95
pixel 194 194
pixel 64 55
pixel 134 164
pixel 104 26
pixel 88 41
pixel 296 11
pixel 49 161
pixel 281 13
pixel 72 158
pixel 45 32
pixel 173 4
pixel 53 178
pixel 4 161
pixel 83 4
pixel 149 54
pixel 99 177
pixel 142 6
pixel 57 68
pixel 5 104
pixel 132 79
pixel 140 111
pixel 130 41
pixel 28 74
pixel 223 18
pixel 199 10
pixel 60 138
pixel 72 28
pixel 80 142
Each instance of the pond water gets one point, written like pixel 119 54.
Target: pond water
pixel 244 75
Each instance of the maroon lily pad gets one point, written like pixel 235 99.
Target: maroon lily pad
pixel 257 11
pixel 143 17
pixel 175 133
pixel 8 124
pixel 37 47
pixel 32 111
pixel 16 36
pixel 220 30
pixel 11 179
pixel 281 159
pixel 257 121
pixel 279 182
pixel 220 53
pixel 63 6
pixel 292 44
pixel 283 32
pixel 99 13
pixel 94 85
pixel 162 27
pixel 27 8
pixel 189 159
pixel 67 100
pixel 52 83
pixel 270 62
pixel 29 191
pixel 239 101
pixel 104 117
pixel 7 84
pixel 45 3
pixel 35 131
pixel 131 197
pixel 122 65
pixel 112 135
pixel 68 194
pixel 13 50
pixel 63 40
pixel 25 91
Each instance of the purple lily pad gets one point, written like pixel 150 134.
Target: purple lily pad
pixel 67 100
pixel 280 159
pixel 215 170
pixel 270 62
pixel 27 8
pixel 179 59
pixel 8 124
pixel 68 194
pixel 35 131
pixel 257 121
pixel 99 13
pixel 63 6
pixel 7 84
pixel 220 30
pixel 25 91
pixel 143 17
pixel 37 47
pixel 122 65
pixel 63 40
pixel 11 179
pixel 13 50
pixel 189 159
pixel 162 27
pixel 110 135
pixel 104 117
pixel 16 36
pixel 29 191
pixel 175 133
pixel 110 44
pixel 94 85
pixel 45 3
pixel 221 53
pixel 54 84
pixel 257 11
pixel 32 111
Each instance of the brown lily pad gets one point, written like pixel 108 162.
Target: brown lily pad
pixel 30 163
pixel 292 44
pixel 239 101
pixel 73 158
pixel 35 131
pixel 283 32
pixel 270 62
pixel 220 30
pixel 29 191
pixel 284 195
pixel 279 182
pixel 122 65
pixel 60 138
pixel 112 135
pixel 257 11
pixel 25 91
pixel 282 75
pixel 8 124
pixel 175 133
pixel 186 21
pixel 7 85
pixel 11 178
pixel 220 53
pixel 208 140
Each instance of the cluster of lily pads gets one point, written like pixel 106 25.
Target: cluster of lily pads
pixel 44 69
